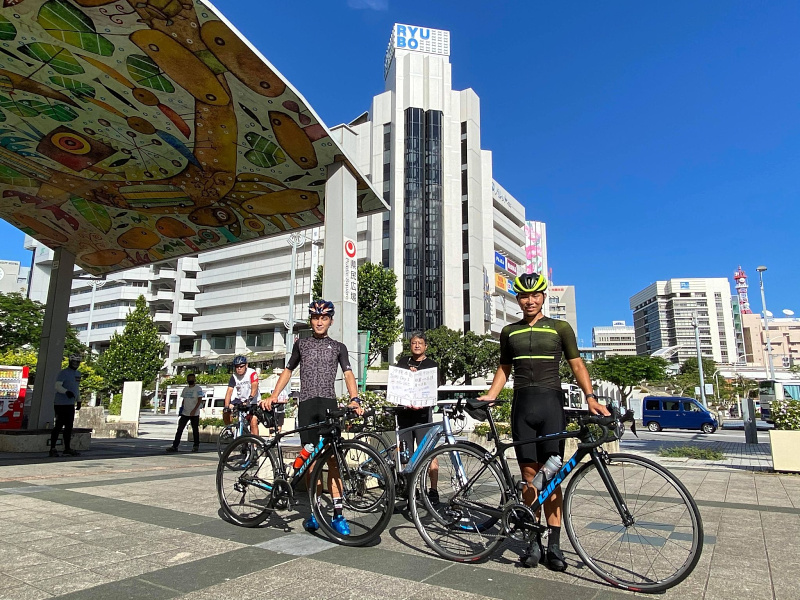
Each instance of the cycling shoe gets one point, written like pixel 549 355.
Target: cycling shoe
pixel 340 525
pixel 310 524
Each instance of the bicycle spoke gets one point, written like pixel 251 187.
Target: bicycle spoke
pixel 662 545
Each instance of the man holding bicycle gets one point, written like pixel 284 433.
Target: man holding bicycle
pixel 319 357
pixel 243 381
pixel 533 348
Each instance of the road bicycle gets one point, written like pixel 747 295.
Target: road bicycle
pixel 451 425
pixel 241 413
pixel 253 481
pixel 630 520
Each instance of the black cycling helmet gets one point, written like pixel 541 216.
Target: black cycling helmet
pixel 239 360
pixel 530 282
pixel 321 307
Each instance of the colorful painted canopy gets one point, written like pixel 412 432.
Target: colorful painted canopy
pixel 132 132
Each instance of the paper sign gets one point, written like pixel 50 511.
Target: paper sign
pixel 412 388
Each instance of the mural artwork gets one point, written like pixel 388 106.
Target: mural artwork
pixel 136 131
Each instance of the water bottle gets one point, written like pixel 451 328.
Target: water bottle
pixel 547 471
pixel 404 452
pixel 305 452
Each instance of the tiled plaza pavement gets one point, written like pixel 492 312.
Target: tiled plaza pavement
pixel 127 521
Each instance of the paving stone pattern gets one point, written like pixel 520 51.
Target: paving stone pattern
pixel 125 520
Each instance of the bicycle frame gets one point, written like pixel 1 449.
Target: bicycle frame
pixel 435 433
pixel 584 449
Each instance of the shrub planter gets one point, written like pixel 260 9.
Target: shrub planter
pixel 208 434
pixel 785 447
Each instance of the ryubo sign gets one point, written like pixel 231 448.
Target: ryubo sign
pixel 410 37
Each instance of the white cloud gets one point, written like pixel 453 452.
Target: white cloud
pixel 369 4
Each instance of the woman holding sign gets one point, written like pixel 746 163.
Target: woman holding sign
pixel 410 416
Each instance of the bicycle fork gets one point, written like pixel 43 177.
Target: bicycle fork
pixel 600 460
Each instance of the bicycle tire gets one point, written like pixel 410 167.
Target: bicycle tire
pixel 226 436
pixel 456 532
pixel 377 443
pixel 244 481
pixel 367 494
pixel 667 526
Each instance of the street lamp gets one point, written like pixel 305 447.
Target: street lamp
pixel 696 325
pixel 761 270
pixel 296 241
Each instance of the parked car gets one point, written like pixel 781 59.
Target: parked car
pixel 675 412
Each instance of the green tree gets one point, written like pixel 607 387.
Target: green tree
pixel 444 345
pixel 316 287
pixel 565 372
pixel 377 307
pixel 625 372
pixel 21 321
pixel 136 354
pixel 479 356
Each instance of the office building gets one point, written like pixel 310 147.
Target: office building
pixel 561 303
pixel 784 336
pixel 454 236
pixel 13 277
pixel 617 340
pixel 663 314
pixel 98 307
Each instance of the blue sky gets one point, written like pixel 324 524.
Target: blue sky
pixel 656 140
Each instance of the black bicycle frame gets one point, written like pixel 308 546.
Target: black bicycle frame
pixel 584 449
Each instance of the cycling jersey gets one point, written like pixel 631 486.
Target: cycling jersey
pixel 535 351
pixel 318 359
pixel 242 385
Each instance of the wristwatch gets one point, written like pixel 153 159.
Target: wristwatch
pixel 592 395
pixel 356 399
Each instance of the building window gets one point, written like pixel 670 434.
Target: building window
pixel 223 342
pixel 262 340
pixel 423 220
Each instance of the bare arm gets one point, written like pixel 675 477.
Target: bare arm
pixel 585 382
pixel 352 389
pixel 500 378
pixel 228 395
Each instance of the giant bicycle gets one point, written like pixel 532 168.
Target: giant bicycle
pixel 253 480
pixel 630 520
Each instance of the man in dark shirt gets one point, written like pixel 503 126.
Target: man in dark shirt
pixel 533 348
pixel 319 357
pixel 410 416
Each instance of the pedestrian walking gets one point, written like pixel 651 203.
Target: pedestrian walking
pixel 192 402
pixel 65 402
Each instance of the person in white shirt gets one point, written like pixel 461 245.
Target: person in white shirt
pixel 279 406
pixel 243 389
pixel 192 403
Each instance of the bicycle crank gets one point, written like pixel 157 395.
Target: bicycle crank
pixel 518 520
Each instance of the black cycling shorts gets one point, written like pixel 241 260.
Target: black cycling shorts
pixel 409 417
pixel 537 411
pixel 310 411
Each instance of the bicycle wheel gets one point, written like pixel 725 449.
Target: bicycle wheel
pixel 366 489
pixel 376 441
pixel 662 545
pixel 244 481
pixel 465 524
pixel 226 436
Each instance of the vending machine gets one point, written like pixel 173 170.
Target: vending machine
pixel 13 383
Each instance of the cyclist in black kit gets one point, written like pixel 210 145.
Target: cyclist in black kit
pixel 533 348
pixel 319 357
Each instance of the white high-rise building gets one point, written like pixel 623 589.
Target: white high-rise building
pixel 450 227
pixel 619 339
pixel 562 305
pixel 98 307
pixel 663 313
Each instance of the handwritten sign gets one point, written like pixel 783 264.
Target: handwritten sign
pixel 412 388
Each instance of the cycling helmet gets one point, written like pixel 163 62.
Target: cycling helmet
pixel 530 282
pixel 239 360
pixel 321 307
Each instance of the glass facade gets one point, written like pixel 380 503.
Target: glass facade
pixel 422 220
